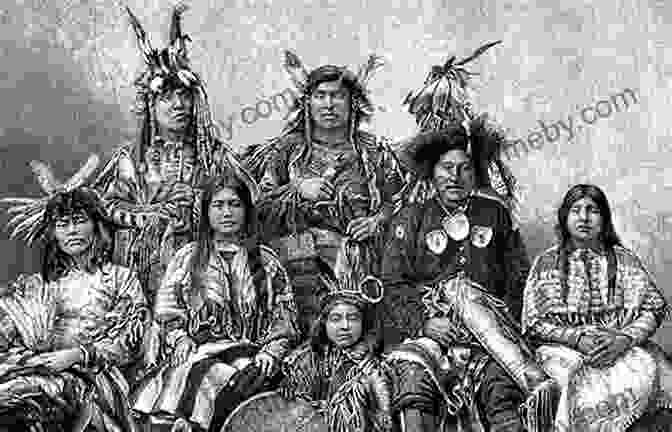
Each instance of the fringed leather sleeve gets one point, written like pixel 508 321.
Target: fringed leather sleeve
pixel 643 328
pixel 169 305
pixel 129 313
pixel 301 371
pixel 282 331
pixel 381 388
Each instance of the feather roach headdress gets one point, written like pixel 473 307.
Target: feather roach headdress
pixel 28 216
pixel 442 105
pixel 170 68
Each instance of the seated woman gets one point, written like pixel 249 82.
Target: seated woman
pixel 65 332
pixel 594 307
pixel 338 369
pixel 226 311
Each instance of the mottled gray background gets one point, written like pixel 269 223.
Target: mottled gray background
pixel 67 67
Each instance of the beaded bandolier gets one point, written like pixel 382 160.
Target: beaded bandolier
pixel 150 186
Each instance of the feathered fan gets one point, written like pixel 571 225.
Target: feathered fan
pixel 32 309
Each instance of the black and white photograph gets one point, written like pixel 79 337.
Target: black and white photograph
pixel 335 216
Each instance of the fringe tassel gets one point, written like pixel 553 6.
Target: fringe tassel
pixel 540 408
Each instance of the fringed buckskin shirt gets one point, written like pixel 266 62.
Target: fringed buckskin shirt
pixel 351 385
pixel 246 298
pixel 366 177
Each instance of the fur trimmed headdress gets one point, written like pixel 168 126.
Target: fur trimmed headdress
pixel 170 68
pixel 28 216
pixel 442 105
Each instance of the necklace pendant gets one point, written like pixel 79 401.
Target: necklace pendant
pixel 456 226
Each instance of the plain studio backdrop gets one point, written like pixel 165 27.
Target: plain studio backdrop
pixel 600 68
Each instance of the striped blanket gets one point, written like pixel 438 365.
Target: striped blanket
pixel 196 388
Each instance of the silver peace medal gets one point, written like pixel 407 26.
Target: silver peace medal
pixel 437 241
pixel 456 226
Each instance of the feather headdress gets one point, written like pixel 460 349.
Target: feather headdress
pixel 170 68
pixel 443 99
pixel 442 104
pixel 27 215
pixel 168 64
pixel 305 82
pixel 256 157
pixel 349 280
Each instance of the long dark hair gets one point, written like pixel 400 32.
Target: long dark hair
pixel 55 262
pixel 328 73
pixel 204 242
pixel 607 237
pixel 371 329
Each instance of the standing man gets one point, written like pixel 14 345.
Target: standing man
pixel 150 187
pixel 324 178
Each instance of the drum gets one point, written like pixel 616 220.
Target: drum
pixel 270 412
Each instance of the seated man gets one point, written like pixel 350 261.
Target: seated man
pixel 454 260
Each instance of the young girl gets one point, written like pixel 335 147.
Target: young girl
pixel 227 311
pixel 594 307
pixel 338 369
